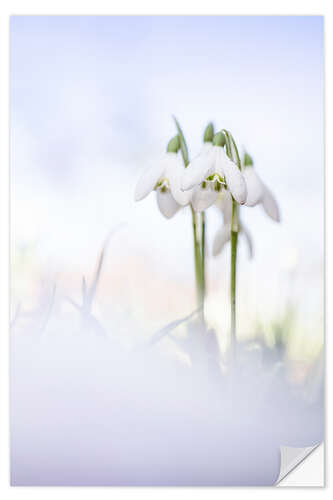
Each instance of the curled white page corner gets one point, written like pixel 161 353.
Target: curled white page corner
pixel 291 457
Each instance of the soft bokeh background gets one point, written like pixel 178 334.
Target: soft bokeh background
pixel 91 106
pixel 92 100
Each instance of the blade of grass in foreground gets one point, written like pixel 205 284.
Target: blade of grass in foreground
pixel 156 337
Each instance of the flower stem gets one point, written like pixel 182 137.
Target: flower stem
pixel 199 245
pixel 234 244
pixel 197 258
pixel 233 154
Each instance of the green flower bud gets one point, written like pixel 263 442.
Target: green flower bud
pixel 248 162
pixel 209 133
pixel 173 145
pixel 219 139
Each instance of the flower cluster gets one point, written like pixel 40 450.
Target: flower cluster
pixel 216 176
pixel 210 177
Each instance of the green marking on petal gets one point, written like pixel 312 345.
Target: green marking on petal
pixel 163 185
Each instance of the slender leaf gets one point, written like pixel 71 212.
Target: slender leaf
pixel 92 290
pixel 183 145
pixel 170 326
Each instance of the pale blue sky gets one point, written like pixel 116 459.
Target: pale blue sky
pixel 91 105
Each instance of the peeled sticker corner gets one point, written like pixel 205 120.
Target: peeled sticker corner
pixel 291 457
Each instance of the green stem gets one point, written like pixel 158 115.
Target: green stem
pixel 233 154
pixel 198 255
pixel 197 258
pixel 233 275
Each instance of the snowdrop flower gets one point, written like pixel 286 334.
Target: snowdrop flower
pixel 223 235
pixel 257 191
pixel 210 172
pixel 165 179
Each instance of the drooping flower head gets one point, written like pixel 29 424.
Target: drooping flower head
pixel 165 178
pixel 211 171
pixel 257 191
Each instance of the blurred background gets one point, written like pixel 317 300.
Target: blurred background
pixel 92 100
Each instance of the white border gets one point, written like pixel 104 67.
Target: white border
pixel 98 7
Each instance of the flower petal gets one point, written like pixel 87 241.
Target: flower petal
pixel 167 204
pixel 233 176
pixel 174 172
pixel 270 205
pixel 196 171
pixel 148 180
pixel 255 188
pixel 203 198
pixel 221 238
pixel 248 238
pixel 224 203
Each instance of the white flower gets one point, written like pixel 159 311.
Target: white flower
pixel 270 205
pixel 204 196
pixel 223 235
pixel 164 178
pixel 224 203
pixel 254 186
pixel 210 172
pixel 257 191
